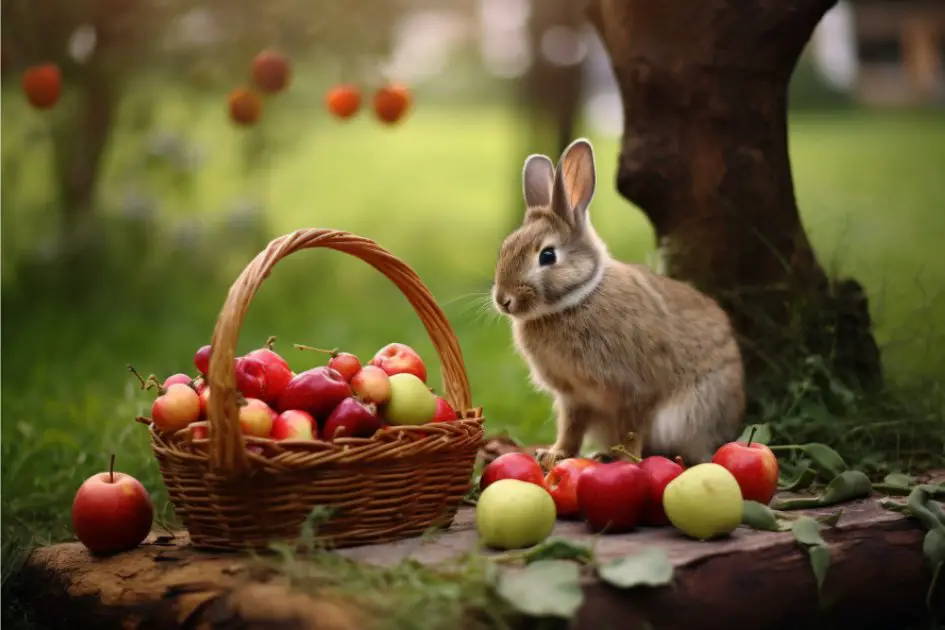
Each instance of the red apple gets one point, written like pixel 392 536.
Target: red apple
pixel 444 411
pixel 200 432
pixel 661 471
pixel 317 391
pixel 111 512
pixel 352 418
pixel 202 359
pixel 183 379
pixel 345 364
pixel 561 482
pixel 294 424
pixel 753 465
pixel 176 407
pixel 371 384
pixel 203 393
pixel 256 418
pixel 612 497
pixel 277 372
pixel 397 358
pixel 520 466
pixel 251 377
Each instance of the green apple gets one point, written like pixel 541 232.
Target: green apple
pixel 512 514
pixel 704 501
pixel 411 401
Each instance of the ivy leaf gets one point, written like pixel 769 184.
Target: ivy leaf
pixel 650 567
pixel 558 549
pixel 848 485
pixel 545 588
pixel 933 546
pixel 899 480
pixel 762 434
pixel 758 516
pixel 807 532
pixel 819 563
pixel 826 459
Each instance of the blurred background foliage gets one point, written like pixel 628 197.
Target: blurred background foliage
pixel 130 207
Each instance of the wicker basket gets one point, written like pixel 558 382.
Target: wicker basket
pixel 394 485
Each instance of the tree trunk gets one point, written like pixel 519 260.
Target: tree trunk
pixel 704 154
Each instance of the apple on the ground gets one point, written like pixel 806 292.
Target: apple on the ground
pixel 661 471
pixel 256 418
pixel 111 512
pixel 704 501
pixel 411 401
pixel 294 424
pixel 512 514
pixel 521 466
pixel 612 497
pixel 398 358
pixel 561 482
pixel 753 465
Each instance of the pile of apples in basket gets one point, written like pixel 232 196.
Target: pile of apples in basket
pixel 343 399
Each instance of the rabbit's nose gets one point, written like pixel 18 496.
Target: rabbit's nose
pixel 504 302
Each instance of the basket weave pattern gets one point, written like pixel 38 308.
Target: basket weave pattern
pixel 396 484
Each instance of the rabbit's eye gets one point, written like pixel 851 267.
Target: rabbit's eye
pixel 547 256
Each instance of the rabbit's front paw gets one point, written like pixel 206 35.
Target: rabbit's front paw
pixel 550 456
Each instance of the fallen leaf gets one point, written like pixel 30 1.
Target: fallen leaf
pixel 545 588
pixel 899 480
pixel 760 517
pixel 807 532
pixel 650 567
pixel 848 485
pixel 558 549
pixel 819 563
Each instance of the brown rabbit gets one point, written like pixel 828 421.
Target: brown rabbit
pixel 623 350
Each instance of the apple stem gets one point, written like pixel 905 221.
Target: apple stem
pixel 240 399
pixel 332 353
pixel 620 448
pixel 132 369
pixel 270 342
pixel 111 469
pixel 752 434
pixel 161 390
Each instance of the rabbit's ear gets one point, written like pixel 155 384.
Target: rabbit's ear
pixel 575 181
pixel 538 177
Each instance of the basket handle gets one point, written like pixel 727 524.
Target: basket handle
pixel 226 441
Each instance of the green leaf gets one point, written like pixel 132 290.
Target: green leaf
pixel 826 459
pixel 894 506
pixel 559 549
pixel 933 546
pixel 819 563
pixel 829 520
pixel 545 588
pixel 848 485
pixel 899 480
pixel 758 516
pixel 807 532
pixel 762 433
pixel 650 567
pixel 802 482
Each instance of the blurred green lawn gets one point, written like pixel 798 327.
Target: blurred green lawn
pixel 439 191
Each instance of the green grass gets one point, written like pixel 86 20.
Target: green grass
pixel 438 192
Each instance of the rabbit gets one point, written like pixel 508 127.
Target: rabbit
pixel 629 356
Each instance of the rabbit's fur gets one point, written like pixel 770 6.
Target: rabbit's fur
pixel 622 350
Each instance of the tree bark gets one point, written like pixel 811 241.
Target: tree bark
pixel 704 154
